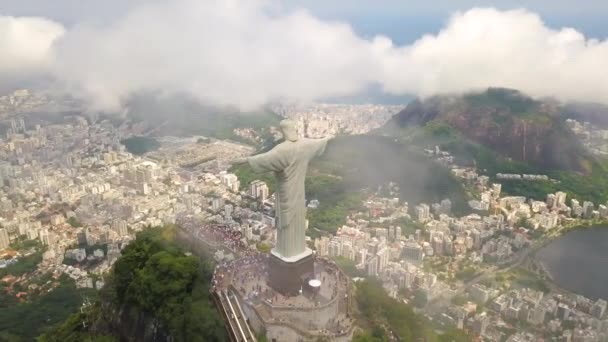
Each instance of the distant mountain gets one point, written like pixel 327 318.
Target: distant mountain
pixel 505 121
pixel 595 113
pixel 182 116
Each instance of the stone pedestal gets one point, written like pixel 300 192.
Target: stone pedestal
pixel 288 276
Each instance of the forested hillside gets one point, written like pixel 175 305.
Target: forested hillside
pixel 155 292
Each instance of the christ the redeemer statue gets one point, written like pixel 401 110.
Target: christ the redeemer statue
pixel 289 162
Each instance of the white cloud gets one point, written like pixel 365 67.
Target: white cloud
pixel 485 47
pixel 26 46
pixel 246 53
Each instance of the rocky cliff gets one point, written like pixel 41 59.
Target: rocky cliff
pixel 506 121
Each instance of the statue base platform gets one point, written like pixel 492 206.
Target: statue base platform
pixel 289 275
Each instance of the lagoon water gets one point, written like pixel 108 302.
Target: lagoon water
pixel 578 261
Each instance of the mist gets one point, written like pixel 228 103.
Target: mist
pixel 249 53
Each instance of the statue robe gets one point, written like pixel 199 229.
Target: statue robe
pixel 289 162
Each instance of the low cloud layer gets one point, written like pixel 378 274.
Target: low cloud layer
pixel 247 53
pixel 26 47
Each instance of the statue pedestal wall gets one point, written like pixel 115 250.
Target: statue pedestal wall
pixel 288 276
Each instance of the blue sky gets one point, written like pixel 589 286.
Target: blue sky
pixel 403 21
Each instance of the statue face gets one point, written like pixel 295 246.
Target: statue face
pixel 288 128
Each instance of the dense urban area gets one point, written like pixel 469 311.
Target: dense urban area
pixel 73 195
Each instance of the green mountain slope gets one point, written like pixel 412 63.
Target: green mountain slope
pixel 486 130
pixel 155 292
pixel 505 121
pixel 353 165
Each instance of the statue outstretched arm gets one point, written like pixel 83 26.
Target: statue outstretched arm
pixel 320 145
pixel 266 162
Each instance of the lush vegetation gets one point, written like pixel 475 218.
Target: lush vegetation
pixel 22 243
pixel 332 214
pixel 352 166
pixel 154 278
pixel 349 267
pixel 24 321
pixel 24 264
pixel 247 175
pixel 495 111
pixel 333 194
pixel 592 186
pixel 73 221
pixel 369 162
pixel 522 278
pixel 73 329
pixel 465 274
pixel 140 145
pixel 510 100
pixel 387 316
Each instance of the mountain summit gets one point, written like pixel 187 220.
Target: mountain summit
pixel 507 121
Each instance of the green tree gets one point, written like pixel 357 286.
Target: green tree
pixel 73 221
pixel 420 298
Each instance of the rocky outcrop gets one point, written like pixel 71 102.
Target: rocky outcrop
pixel 508 122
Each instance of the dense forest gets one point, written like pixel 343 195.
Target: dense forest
pixel 140 145
pixel 26 320
pixel 385 317
pixel 154 292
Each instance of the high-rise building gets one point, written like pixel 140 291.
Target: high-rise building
pixel 322 246
pixel 372 266
pixel 361 256
pixel 496 188
pixel 32 234
pixel 479 293
pixel 228 208
pixel 550 200
pixel 412 251
pixel 216 204
pixel 259 190
pixel 120 227
pixel 46 237
pixel 4 239
pixel 577 209
pixel 397 233
pixel 480 324
pixel 383 257
pixel 560 199
pixel 599 308
pixel 231 181
pixel 334 248
pixel 348 251
pixel 248 232
pixel 438 245
pixel 422 212
pixel 537 315
pixel 448 246
pixel 603 211
pixel 588 209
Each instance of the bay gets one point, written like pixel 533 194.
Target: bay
pixel 578 261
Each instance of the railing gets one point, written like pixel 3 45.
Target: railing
pixel 298 329
pixel 236 321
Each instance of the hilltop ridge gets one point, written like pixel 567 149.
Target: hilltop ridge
pixel 506 121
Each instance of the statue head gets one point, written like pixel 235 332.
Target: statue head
pixel 288 127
